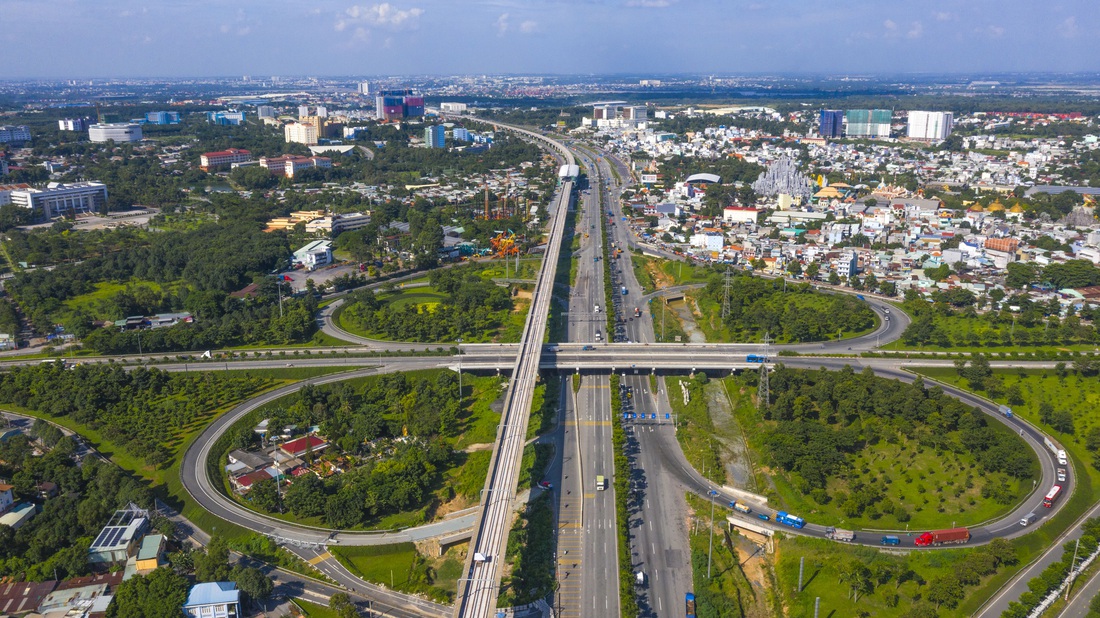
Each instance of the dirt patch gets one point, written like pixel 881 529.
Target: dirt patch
pixel 479 447
pixel 660 279
pixel 458 503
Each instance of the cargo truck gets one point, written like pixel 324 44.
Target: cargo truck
pixel 790 520
pixel 689 605
pixel 942 537
pixel 839 534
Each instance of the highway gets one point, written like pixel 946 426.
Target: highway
pixel 599 567
pixel 478 588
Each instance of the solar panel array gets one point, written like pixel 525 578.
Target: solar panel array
pixel 109 537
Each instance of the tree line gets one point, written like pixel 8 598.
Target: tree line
pixel 143 410
pixel 788 311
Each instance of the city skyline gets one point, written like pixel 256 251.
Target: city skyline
pixel 127 38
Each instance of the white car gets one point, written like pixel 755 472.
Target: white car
pixel 1061 475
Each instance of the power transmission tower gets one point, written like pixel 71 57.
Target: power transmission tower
pixel 763 392
pixel 726 293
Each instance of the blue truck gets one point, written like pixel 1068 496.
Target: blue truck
pixel 790 520
pixel 689 605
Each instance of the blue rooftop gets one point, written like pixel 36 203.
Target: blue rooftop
pixel 213 593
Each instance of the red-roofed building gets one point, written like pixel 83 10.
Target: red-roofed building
pixel 222 158
pixel 299 447
pixel 245 482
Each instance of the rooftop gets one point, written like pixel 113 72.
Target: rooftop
pixel 213 593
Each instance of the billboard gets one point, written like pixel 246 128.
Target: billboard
pixel 649 178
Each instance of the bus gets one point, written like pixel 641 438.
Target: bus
pixel 755 358
pixel 601 482
pixel 1052 496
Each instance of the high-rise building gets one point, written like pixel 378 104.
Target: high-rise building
pixel 364 88
pixel 62 199
pixel 435 136
pixel 453 108
pixel 116 131
pixel 72 124
pixel 634 113
pixel 867 122
pixel 303 110
pixel 265 111
pixel 930 126
pixel 460 134
pixel 322 111
pixel 162 118
pixel 226 118
pixel 300 133
pixel 14 134
pixel 831 123
pixel 398 104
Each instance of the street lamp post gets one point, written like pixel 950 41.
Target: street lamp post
pixel 459 341
pixel 710 549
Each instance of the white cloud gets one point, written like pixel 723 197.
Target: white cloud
pixel 384 15
pixel 1069 28
pixel 890 25
pixel 528 27
pixel 995 31
pixel 915 31
pixel 650 4
pixel 943 16
pixel 501 24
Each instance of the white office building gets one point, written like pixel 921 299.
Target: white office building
pixel 116 131
pixel 303 111
pixel 59 199
pixel 931 126
pixel 72 124
pixel 364 88
pixel 300 133
pixel 322 111
pixel 265 111
pixel 453 108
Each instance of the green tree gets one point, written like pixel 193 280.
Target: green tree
pixel 212 565
pixel 306 497
pixel 265 495
pixel 253 583
pixel 945 590
pixel 160 594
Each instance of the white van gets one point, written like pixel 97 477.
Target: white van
pixel 1028 519
pixel 1062 458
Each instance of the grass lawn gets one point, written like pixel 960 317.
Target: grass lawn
pixel 495 269
pixel 313 610
pixel 398 566
pixel 821 578
pixel 427 298
pixel 696 430
pixel 1074 395
pixel 988 334
pixel 91 302
pixel 938 488
pixel 658 273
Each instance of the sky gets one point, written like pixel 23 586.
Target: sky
pixel 181 38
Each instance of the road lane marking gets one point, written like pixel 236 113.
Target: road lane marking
pixel 319 559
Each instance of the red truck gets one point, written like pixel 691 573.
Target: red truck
pixel 943 537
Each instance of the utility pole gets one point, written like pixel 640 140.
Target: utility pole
pixel 726 294
pixel 817 605
pixel 801 567
pixel 710 550
pixel 763 392
pixel 279 285
pixel 1071 567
